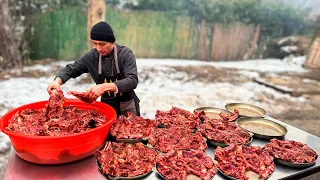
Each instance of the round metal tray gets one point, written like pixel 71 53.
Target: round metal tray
pixel 189 176
pixel 229 177
pixel 294 165
pixel 263 128
pixel 246 110
pixel 121 178
pixel 212 112
pixel 215 143
pixel 132 140
pixel 250 174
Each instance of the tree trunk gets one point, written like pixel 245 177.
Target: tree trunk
pixel 96 13
pixel 254 44
pixel 317 29
pixel 313 59
pixel 8 41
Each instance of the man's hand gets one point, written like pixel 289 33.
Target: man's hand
pixel 97 90
pixel 55 85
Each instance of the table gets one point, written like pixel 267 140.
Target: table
pixel 86 169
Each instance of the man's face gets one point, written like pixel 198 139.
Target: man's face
pixel 104 48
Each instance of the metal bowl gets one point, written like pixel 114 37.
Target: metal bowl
pixel 246 110
pixel 263 128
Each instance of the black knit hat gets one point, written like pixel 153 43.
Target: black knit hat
pixel 102 31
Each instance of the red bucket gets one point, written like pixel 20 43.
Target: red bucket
pixel 59 149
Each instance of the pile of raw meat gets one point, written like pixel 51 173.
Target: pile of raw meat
pixel 55 119
pixel 132 127
pixel 173 134
pixel 224 132
pixel 178 137
pixel 291 151
pixel 166 139
pixel 177 117
pixel 126 160
pixel 177 164
pixel 235 160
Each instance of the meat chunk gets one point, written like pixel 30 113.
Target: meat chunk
pixel 82 96
pixel 54 108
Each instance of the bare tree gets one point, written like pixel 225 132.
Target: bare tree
pixel 12 58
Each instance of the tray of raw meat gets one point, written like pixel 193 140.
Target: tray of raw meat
pixel 125 160
pixel 291 153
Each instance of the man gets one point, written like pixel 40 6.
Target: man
pixel 112 67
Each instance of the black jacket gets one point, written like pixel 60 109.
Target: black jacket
pixel 89 64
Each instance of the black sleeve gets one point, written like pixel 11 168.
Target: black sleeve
pixel 130 80
pixel 74 70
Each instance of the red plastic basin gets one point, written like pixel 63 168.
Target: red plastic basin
pixel 59 149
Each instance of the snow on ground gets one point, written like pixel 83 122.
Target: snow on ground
pixel 293 64
pixel 161 87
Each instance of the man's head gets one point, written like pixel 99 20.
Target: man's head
pixel 102 37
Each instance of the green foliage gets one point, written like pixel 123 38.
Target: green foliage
pixel 163 5
pixel 60 34
pixel 113 3
pixel 273 16
pixel 25 13
pixel 154 34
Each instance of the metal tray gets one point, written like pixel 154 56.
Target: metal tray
pixel 212 112
pixel 123 178
pixel 229 177
pixel 189 176
pixel 246 110
pixel 155 169
pixel 250 174
pixel 215 143
pixel 132 140
pixel 153 148
pixel 294 165
pixel 263 128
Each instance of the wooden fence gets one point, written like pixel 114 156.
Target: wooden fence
pixel 62 34
pixel 231 42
